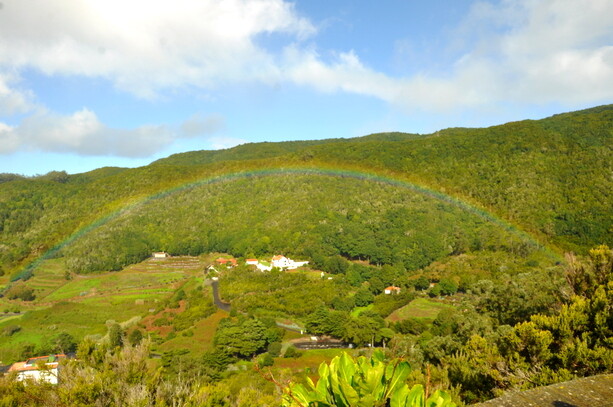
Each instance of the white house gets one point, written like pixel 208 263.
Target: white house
pixel 42 368
pixel 160 255
pixel 252 262
pixel 285 263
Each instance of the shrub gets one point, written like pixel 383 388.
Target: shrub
pixel 274 348
pixel 266 360
pixel 292 352
pixel 21 292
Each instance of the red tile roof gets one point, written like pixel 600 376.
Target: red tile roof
pixel 32 363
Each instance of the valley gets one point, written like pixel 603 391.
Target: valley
pixel 481 257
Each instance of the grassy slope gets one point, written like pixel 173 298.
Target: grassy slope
pixel 83 305
pixel 418 308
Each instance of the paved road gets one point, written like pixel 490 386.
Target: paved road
pixel 224 306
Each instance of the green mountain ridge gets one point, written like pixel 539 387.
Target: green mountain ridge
pixel 550 177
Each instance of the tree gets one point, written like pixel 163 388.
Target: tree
pixel 336 265
pixel 363 297
pixel 274 349
pixel 242 338
pixel 266 360
pixel 422 283
pixel 447 286
pixel 115 336
pixel 135 337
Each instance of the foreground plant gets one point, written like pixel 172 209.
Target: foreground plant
pixel 363 382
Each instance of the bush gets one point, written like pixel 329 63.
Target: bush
pixel 274 348
pixel 135 337
pixel 292 352
pixel 266 360
pixel 21 292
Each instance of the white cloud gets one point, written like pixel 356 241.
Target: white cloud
pixel 13 101
pixel 521 51
pixel 515 51
pixel 144 46
pixel 83 133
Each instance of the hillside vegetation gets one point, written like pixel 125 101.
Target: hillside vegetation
pixel 469 227
pixel 550 177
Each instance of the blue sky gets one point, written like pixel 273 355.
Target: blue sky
pixel 92 83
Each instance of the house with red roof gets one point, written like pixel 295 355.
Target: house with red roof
pixel 392 290
pixel 41 368
pixel 226 262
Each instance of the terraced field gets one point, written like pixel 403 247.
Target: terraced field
pixel 84 304
pixel 418 308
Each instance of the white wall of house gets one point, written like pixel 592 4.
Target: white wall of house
pixel 49 376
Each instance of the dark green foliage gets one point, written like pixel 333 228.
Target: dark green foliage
pixel 135 337
pixel 533 173
pixel 274 349
pixel 343 304
pixel 363 297
pixel 292 352
pixel 21 292
pixel 244 337
pixel 385 304
pixel 116 335
pixel 447 287
pixel 278 293
pixel 266 360
pixel 411 326
pixel 422 283
pixel 336 265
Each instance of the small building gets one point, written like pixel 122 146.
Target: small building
pixel 252 262
pixel 41 368
pixel 392 290
pixel 285 263
pixel 160 255
pixel 226 262
pixel 280 262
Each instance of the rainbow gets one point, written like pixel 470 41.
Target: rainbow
pixel 362 175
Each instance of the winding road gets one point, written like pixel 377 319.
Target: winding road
pixel 224 306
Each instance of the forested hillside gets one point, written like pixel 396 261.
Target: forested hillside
pixel 551 178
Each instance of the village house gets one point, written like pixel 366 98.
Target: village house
pixel 41 368
pixel 160 255
pixel 392 290
pixel 278 261
pixel 226 262
pixel 285 263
